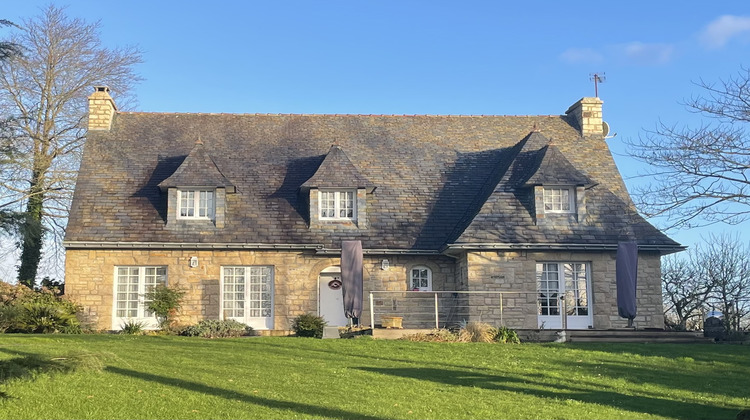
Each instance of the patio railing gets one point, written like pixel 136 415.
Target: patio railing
pixel 436 309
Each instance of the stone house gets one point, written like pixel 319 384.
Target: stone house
pixel 247 212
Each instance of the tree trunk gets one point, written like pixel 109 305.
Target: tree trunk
pixel 32 232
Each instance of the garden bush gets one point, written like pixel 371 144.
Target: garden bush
pixel 23 310
pixel 309 325
pixel 434 336
pixel 164 301
pixel 506 335
pixel 477 332
pixel 470 332
pixel 213 328
pixel 133 328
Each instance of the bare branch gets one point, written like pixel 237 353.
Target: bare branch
pixel 701 175
pixel 45 89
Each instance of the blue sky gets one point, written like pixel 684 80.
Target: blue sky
pixel 427 57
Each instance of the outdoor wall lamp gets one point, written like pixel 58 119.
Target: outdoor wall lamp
pixel 385 264
pixel 193 262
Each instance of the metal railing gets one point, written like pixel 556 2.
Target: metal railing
pixel 428 307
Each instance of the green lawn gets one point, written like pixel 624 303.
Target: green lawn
pixel 133 377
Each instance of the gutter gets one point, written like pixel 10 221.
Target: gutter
pixel 332 251
pixel 667 249
pixel 183 245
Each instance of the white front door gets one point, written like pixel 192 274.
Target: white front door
pixel 563 291
pixel 247 295
pixel 331 299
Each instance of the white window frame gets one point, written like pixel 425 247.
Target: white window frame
pixel 553 197
pixel 324 200
pixel 423 273
pixel 131 293
pixel 195 204
pixel 251 314
pixel 564 274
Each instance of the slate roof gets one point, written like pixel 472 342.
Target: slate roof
pixel 440 180
pixel 337 170
pixel 197 170
pixel 547 166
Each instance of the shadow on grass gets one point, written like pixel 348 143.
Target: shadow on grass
pixel 703 352
pixel 717 380
pixel 28 366
pixel 303 409
pixel 526 385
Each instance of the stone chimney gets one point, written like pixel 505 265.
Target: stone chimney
pixel 587 112
pixel 101 109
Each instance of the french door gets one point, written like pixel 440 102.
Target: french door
pixel 247 295
pixel 563 295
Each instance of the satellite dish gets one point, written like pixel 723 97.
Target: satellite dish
pixel 605 129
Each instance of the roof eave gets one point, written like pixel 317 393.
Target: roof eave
pixel 499 246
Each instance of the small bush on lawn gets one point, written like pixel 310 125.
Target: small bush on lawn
pixel 477 332
pixel 133 328
pixel 506 335
pixel 25 310
pixel 309 325
pixel 213 328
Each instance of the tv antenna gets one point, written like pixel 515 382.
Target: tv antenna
pixel 597 78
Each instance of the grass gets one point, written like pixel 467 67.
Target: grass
pixel 118 376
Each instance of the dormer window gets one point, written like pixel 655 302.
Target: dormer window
pixel 559 200
pixel 337 193
pixel 196 204
pixel 197 191
pixel 338 205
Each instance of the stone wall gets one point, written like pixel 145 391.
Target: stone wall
pixel 90 276
pixel 516 272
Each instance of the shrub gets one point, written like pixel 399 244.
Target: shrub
pixel 477 332
pixel 309 325
pixel 45 318
pixel 434 336
pixel 164 301
pixel 506 335
pixel 132 327
pixel 213 328
pixel 42 311
pixel 9 317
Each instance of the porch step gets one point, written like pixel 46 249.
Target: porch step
pixel 331 332
pixel 635 336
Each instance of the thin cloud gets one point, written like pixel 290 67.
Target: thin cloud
pixel 640 53
pixel 581 55
pixel 723 29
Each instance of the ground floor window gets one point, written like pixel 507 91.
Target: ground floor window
pixel 247 295
pixel 420 279
pixel 131 286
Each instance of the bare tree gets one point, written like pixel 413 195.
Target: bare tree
pixel 8 49
pixel 725 263
pixel 684 290
pixel 45 90
pixel 702 175
pixel 9 221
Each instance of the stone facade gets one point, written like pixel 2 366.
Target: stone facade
pixel 90 279
pixel 516 272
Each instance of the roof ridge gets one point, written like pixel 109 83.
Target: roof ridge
pixel 336 115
